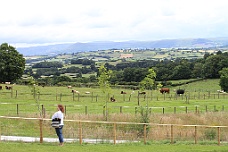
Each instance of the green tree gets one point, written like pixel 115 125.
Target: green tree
pixel 148 81
pixel 12 64
pixel 213 65
pixel 224 79
pixel 103 81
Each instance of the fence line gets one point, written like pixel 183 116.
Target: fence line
pixel 143 127
pixel 85 109
pixel 150 95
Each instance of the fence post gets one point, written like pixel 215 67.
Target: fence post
pixel 42 109
pixel 86 110
pixel 174 110
pixel 144 133
pixel 163 110
pixel 16 93
pixel 186 109
pixel 121 109
pixel 219 136
pixel 171 134
pixel 60 96
pixel 195 135
pixel 41 130
pixel 92 96
pixel 11 93
pixel 80 132
pixel 73 95
pixel 17 110
pixel 114 133
pixel 104 111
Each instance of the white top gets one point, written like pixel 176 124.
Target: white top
pixel 59 115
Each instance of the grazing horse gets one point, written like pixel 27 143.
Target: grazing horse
pixel 164 90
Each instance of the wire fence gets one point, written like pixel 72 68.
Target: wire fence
pixel 94 97
pixel 12 109
pixel 113 132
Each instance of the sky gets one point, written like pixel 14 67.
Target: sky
pixel 32 22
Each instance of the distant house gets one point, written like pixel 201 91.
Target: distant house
pixel 123 56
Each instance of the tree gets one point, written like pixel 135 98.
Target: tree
pixel 148 81
pixel 103 81
pixel 224 79
pixel 12 64
pixel 213 65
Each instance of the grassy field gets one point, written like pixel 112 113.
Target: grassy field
pixel 201 105
pixel 36 147
pixel 201 96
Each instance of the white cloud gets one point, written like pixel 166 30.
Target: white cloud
pixel 50 21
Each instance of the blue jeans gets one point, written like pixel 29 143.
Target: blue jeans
pixel 59 133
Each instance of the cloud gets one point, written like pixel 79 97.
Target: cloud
pixel 52 21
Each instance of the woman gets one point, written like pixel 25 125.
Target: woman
pixel 59 114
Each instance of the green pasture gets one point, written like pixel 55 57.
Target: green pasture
pixel 201 96
pixel 200 101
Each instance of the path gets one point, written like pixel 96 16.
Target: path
pixel 37 139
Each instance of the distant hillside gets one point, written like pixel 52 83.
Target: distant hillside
pixel 104 45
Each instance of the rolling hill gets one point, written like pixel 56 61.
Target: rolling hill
pixel 103 45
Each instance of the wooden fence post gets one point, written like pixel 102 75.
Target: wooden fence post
pixel 73 95
pixel 16 93
pixel 86 110
pixel 60 96
pixel 11 93
pixel 104 111
pixel 196 109
pixel 171 134
pixel 144 133
pixel 114 133
pixel 41 130
pixel 219 136
pixel 92 96
pixel 195 135
pixel 80 132
pixel 17 109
